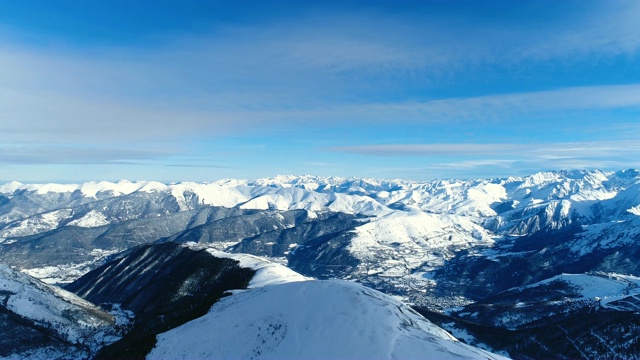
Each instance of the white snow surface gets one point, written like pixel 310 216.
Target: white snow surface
pixel 311 320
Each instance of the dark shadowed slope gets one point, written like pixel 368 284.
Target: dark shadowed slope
pixel 165 285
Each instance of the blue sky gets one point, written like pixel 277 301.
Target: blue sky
pixel 203 90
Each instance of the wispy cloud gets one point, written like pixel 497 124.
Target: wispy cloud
pixel 543 151
pixel 39 116
pixel 76 154
pixel 505 106
pixel 428 149
pixel 36 118
pixel 500 160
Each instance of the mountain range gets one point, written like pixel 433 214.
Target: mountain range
pixel 541 266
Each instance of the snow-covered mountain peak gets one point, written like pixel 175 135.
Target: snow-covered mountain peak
pixel 442 243
pixel 151 186
pixel 547 177
pixel 10 187
pixel 122 187
pixel 311 320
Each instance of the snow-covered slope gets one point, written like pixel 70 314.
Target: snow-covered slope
pixel 164 285
pixel 55 312
pixel 311 320
pixel 592 286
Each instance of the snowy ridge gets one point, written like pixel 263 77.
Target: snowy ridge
pixel 73 319
pixel 267 272
pixel 90 189
pixel 311 320
pixel 444 243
